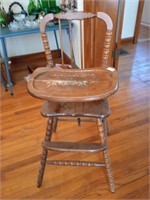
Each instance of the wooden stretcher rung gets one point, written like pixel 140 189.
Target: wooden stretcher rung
pixel 75 163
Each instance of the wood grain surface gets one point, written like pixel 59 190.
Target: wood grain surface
pixel 22 130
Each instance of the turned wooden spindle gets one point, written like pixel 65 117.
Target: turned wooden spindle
pixel 48 135
pixel 102 128
pixel 48 53
pixel 109 170
pixel 106 49
pixel 108 36
pixel 75 163
pixel 47 50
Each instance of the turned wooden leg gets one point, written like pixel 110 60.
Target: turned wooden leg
pixel 105 121
pixel 107 126
pixel 55 121
pixel 109 171
pixel 48 136
pixel 102 127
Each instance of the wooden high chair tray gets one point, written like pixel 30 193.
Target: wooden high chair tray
pixel 72 85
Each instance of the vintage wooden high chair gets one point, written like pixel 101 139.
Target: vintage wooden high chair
pixel 75 93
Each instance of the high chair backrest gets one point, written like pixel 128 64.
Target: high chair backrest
pixel 77 51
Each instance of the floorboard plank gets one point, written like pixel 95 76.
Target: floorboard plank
pixel 22 130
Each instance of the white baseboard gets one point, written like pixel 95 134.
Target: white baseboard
pixel 145 24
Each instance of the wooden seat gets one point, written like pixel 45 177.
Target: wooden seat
pixel 97 109
pixel 75 91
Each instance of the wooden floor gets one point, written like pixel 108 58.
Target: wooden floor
pixel 22 130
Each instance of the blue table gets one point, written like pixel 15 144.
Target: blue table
pixel 5 32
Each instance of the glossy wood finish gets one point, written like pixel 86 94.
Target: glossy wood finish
pixel 22 129
pixel 111 8
pixel 75 163
pixel 74 147
pixel 70 85
pixel 138 20
pixel 80 16
pixel 95 109
pixel 108 37
pixel 48 136
pixel 75 15
pixel 78 86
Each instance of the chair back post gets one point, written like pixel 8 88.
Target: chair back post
pixel 46 19
pixel 108 36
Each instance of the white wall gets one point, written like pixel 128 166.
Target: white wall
pixel 146 13
pixel 130 13
pixel 27 44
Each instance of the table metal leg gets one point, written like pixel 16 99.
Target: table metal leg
pixel 3 81
pixel 6 65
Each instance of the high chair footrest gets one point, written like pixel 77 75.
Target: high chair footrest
pixel 75 163
pixel 74 146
